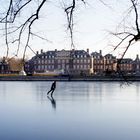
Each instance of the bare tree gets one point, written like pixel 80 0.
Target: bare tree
pixel 129 35
pixel 16 24
pixel 10 18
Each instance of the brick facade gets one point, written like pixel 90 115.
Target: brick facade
pixel 74 62
pixel 80 62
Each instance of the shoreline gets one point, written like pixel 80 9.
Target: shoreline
pixel 61 78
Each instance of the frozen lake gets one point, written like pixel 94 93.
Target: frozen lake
pixel 79 111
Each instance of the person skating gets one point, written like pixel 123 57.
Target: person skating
pixel 53 86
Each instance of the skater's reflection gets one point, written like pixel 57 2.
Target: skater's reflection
pixel 53 102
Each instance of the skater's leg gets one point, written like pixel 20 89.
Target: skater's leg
pixel 52 92
pixel 49 92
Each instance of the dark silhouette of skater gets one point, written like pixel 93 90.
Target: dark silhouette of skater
pixel 53 102
pixel 52 88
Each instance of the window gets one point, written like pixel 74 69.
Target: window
pixel 35 67
pixel 85 66
pixel 58 61
pixel 67 66
pixel 63 61
pixel 42 67
pixel 84 60
pixel 107 61
pixel 77 61
pixel 101 61
pixel 39 67
pixel 101 67
pixel 67 61
pixel 52 66
pixel 48 66
pixel 59 66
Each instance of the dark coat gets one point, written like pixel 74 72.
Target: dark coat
pixel 53 86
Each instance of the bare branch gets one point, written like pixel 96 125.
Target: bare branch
pixel 13 11
pixel 124 36
pixel 136 14
pixel 69 13
pixel 41 37
pixel 130 42
pixel 14 8
pixel 122 40
pixel 32 19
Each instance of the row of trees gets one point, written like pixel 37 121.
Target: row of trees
pixel 15 64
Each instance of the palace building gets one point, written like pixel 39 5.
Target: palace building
pixel 80 62
pixel 67 61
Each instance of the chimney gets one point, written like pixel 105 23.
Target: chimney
pixel 55 50
pixel 73 50
pixel 137 57
pixel 88 51
pixel 41 51
pixel 100 52
pixel 36 52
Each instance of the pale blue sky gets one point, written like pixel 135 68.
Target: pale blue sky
pixel 92 23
